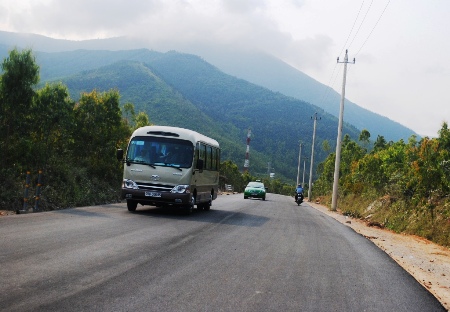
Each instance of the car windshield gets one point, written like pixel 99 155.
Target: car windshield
pixel 255 184
pixel 157 151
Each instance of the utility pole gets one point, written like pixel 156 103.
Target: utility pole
pixel 312 157
pixel 247 152
pixel 304 166
pixel 337 162
pixel 299 161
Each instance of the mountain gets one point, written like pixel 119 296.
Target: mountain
pixel 258 68
pixel 183 90
pixel 267 71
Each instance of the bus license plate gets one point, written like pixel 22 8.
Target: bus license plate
pixel 152 194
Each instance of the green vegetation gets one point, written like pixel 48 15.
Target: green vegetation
pixel 401 186
pixel 183 90
pixel 72 143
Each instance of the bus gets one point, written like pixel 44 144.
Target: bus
pixel 170 167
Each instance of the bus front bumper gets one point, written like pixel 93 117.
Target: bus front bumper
pixel 156 198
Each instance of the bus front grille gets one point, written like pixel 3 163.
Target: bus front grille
pixel 155 187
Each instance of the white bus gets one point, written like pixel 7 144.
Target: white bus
pixel 169 166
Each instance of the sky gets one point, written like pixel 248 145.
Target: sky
pixel 401 47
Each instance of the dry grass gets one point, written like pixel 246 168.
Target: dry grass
pixel 430 221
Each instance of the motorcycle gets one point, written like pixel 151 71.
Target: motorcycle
pixel 299 199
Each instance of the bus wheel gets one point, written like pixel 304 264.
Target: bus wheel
pixel 131 205
pixel 191 205
pixel 208 204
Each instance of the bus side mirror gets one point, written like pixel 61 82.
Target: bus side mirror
pixel 199 165
pixel 119 154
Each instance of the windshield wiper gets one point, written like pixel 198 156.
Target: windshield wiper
pixel 173 166
pixel 141 162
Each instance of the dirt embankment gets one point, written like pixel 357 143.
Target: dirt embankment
pixel 427 262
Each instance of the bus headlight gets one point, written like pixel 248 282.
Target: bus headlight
pixel 181 189
pixel 130 184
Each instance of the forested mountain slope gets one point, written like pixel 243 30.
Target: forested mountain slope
pixel 258 68
pixel 274 74
pixel 184 90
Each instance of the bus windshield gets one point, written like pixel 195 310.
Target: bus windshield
pixel 157 151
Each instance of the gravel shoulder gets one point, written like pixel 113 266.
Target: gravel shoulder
pixel 427 262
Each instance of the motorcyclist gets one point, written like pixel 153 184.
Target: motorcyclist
pixel 299 192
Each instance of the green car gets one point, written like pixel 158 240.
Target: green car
pixel 255 190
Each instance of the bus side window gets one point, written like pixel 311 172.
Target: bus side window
pixel 201 151
pixel 208 160
pixel 218 159
pixel 196 153
pixel 214 159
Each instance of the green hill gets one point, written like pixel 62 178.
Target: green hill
pixel 183 90
pixel 274 74
pixel 62 58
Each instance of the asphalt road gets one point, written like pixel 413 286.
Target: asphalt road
pixel 242 255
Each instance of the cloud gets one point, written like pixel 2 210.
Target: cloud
pixel 80 19
pixel 243 6
pixel 403 58
pixel 308 54
pixel 244 24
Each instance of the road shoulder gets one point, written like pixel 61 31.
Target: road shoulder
pixel 427 262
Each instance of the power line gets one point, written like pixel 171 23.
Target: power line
pixel 333 77
pixel 334 74
pixel 362 22
pixel 357 16
pixel 382 13
pixel 331 82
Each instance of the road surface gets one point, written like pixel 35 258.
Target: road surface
pixel 242 255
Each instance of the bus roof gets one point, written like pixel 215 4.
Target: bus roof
pixel 174 132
